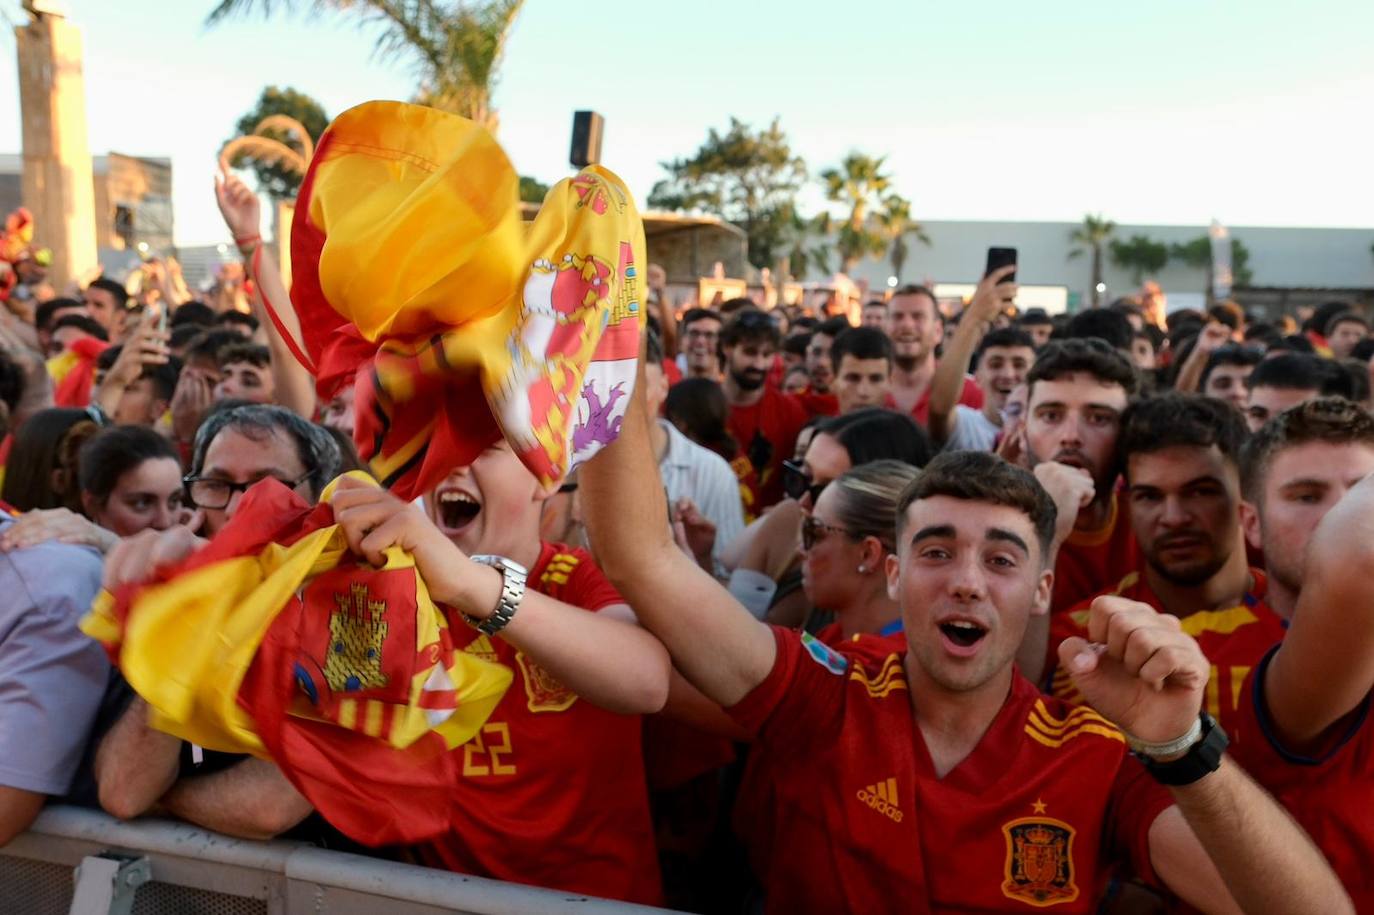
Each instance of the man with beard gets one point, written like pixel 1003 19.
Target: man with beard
pixel 701 344
pixel 916 328
pixel 820 363
pixel 1307 480
pixel 763 420
pixel 1078 390
pixel 1181 457
pixel 1004 355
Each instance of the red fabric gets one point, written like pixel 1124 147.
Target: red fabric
pixel 819 404
pixel 862 821
pixel 767 436
pixel 1091 562
pixel 553 794
pixel 1234 639
pixel 671 371
pixel 74 390
pixel 1329 792
pixel 675 753
pixel 970 396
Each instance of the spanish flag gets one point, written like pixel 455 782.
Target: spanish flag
pixel 274 640
pixel 73 372
pixel 416 280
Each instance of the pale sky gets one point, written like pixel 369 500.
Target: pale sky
pixel 1172 112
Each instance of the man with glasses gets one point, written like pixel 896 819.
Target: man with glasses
pixel 701 344
pixel 139 769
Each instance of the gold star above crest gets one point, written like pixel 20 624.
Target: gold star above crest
pixel 1039 806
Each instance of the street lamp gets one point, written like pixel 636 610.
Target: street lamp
pixel 891 282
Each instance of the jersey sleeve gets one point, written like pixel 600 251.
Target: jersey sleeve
pixel 1137 800
pixel 801 701
pixel 589 588
pixel 1257 719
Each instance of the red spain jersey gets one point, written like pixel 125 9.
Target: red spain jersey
pixel 1090 562
pixel 1039 814
pixel 1233 639
pixel 553 790
pixel 1329 791
pixel 970 395
pixel 767 436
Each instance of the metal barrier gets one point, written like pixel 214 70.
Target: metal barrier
pixel 85 863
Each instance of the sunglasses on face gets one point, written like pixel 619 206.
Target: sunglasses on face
pixel 796 482
pixel 814 530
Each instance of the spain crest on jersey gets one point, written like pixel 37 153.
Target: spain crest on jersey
pixel 1039 867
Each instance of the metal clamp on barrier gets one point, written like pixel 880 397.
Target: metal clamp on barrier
pixel 106 883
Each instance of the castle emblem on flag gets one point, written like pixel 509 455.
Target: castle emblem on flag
pixel 357 629
pixel 1039 866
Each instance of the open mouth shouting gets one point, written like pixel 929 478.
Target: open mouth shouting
pixel 961 637
pixel 455 509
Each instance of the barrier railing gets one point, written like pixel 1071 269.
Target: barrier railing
pixel 85 863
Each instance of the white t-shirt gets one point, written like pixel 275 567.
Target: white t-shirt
pixel 973 431
pixel 706 478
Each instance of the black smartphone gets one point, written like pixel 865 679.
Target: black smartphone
pixel 999 258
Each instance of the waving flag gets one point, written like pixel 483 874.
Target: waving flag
pixel 274 640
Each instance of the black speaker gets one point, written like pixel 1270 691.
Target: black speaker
pixel 586 138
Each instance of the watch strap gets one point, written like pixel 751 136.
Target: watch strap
pixel 1202 758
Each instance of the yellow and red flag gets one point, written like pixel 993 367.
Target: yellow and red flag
pixel 416 280
pixel 73 372
pixel 275 640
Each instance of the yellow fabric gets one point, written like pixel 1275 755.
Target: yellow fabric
pixel 61 364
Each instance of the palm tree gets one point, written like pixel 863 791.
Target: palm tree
pixel 1091 237
pixel 456 50
pixel 860 183
pixel 896 223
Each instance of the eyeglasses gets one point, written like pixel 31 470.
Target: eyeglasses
pixel 796 482
pixel 694 334
pixel 212 493
pixel 814 530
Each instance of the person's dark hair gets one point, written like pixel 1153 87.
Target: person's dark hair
pixel 1175 319
pixel 48 441
pixel 1230 354
pixel 43 314
pixel 1128 307
pixel 82 322
pixel 318 453
pixel 1034 317
pixel 697 406
pixel 694 315
pixel 1293 343
pixel 807 323
pixel 867 499
pixel 980 476
pixel 113 452
pixel 796 344
pixel 833 327
pixel 1003 336
pixel 1301 372
pixel 163 377
pixel 730 306
pixel 1102 324
pixel 348 452
pixel 243 351
pixel 876 303
pixel 121 295
pixel 1333 420
pixel 1174 419
pixel 207 344
pixel 1061 358
pixel 226 318
pixel 11 382
pixel 861 343
pixel 915 289
pixel 1228 313
pixel 1364 350
pixel 1358 373
pixel 1345 317
pixel 183 334
pixel 874 434
pixel 1322 315
pixel 750 325
pixel 193 313
pixel 653 347
pixel 1263 333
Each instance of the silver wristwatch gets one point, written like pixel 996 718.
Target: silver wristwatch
pixel 512 592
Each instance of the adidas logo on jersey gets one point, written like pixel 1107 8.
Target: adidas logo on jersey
pixel 882 797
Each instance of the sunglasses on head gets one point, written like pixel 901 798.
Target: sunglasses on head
pixel 797 482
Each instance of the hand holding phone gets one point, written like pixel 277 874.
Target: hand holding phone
pixel 999 258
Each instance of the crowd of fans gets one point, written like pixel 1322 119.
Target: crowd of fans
pixel 911 501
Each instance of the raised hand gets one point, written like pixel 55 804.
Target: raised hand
pixel 1071 488
pixel 1138 669
pixel 192 397
pixel 991 296
pixel 695 533
pixel 135 559
pixel 238 205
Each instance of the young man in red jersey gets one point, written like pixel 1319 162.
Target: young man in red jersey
pixel 1077 391
pixel 1309 505
pixel 940 780
pixel 916 327
pixel 553 790
pixel 762 419
pixel 1181 454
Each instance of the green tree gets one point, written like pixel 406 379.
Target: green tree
pixel 277 179
pixel 896 224
pixel 802 251
pixel 860 184
pixel 747 177
pixel 1090 238
pixel 532 190
pixel 455 48
pixel 1139 254
pixel 1198 255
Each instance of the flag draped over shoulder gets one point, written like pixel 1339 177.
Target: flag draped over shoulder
pixel 73 372
pixel 275 640
pixel 416 280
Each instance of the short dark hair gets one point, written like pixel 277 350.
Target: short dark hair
pixel 1364 350
pixel 1228 313
pixel 1102 324
pixel 1230 354
pixel 833 327
pixel 82 322
pixel 1333 420
pixel 1300 372
pixel 1034 316
pixel 1184 316
pixel 192 312
pixel 861 343
pixel 653 346
pixel 237 317
pixel 1345 317
pixel 1358 374
pixel 750 325
pixel 1174 419
pixel 874 434
pixel 1293 343
pixel 183 334
pixel 208 343
pixel 243 351
pixel 796 344
pixel 698 407
pixel 1061 358
pixel 121 295
pixel 694 315
pixel 43 314
pixel 114 451
pixel 730 306
pixel 1322 315
pixel 1262 332
pixel 164 376
pixel 981 476
pixel 11 383
pixel 915 289
pixel 314 446
pixel 876 303
pixel 1006 337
